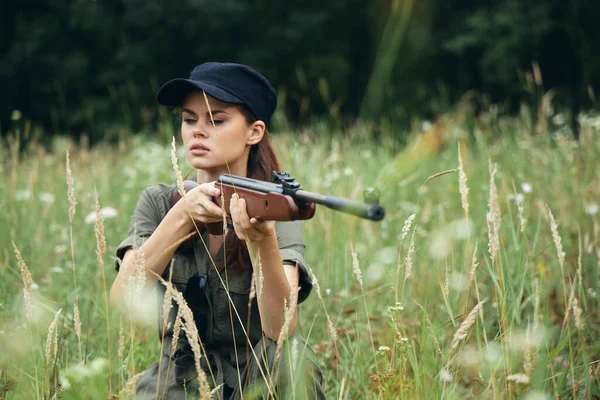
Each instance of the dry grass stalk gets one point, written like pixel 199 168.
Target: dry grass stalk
pixel 408 262
pixel 260 278
pixel 99 229
pixel 557 240
pixel 448 171
pixel 438 349
pixel 577 311
pixel 570 302
pixel 447 280
pixel 137 279
pixel 356 267
pixel 358 273
pixel 191 332
pixel 176 330
pixel 330 326
pixel 462 183
pixel 100 252
pixel 528 360
pixel 474 265
pixel 463 329
pixel 493 216
pixel 168 300
pixel 175 163
pixel 536 289
pixel 406 227
pixel 121 348
pixel 521 213
pixel 287 319
pixel 209 109
pixel 128 390
pixel 27 282
pixel 70 191
pixel 225 228
pixel 77 321
pixel 52 338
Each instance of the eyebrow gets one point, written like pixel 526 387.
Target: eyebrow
pixel 187 110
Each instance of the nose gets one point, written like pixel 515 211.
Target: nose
pixel 198 132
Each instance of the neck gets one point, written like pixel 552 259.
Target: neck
pixel 204 176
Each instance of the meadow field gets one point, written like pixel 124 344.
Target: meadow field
pixel 482 281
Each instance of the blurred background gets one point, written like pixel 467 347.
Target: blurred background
pixel 92 67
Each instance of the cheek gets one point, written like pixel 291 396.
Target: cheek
pixel 232 143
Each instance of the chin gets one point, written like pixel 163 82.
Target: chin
pixel 206 165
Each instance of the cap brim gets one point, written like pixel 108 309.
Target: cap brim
pixel 174 92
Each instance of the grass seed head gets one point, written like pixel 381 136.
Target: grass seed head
pixel 27 281
pixel 175 164
pixel 462 183
pixel 99 229
pixel 52 338
pixel 463 329
pixel 356 267
pixel 493 217
pixel 70 191
pixel 557 240
pixel 77 320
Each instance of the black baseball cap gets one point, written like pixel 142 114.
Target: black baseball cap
pixel 228 82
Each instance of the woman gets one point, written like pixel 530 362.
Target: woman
pixel 224 111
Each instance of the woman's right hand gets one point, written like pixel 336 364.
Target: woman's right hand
pixel 198 205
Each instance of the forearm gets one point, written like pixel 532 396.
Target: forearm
pixel 275 288
pixel 153 255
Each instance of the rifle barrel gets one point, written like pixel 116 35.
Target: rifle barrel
pixel 374 212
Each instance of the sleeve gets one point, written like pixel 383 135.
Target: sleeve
pixel 291 248
pixel 143 223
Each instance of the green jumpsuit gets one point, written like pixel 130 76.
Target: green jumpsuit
pixel 232 357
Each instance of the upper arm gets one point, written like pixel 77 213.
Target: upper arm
pixel 292 274
pixel 143 222
pixel 291 249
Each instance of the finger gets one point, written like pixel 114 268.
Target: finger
pixel 209 189
pixel 211 208
pixel 233 206
pixel 243 217
pixel 260 226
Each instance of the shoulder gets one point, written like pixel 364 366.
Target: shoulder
pixel 289 233
pixel 155 200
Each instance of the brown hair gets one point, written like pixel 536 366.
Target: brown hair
pixel 262 160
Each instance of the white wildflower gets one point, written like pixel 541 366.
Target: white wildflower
pixel 518 378
pixel 106 212
pixel 46 197
pixel 591 208
pixel 23 194
pixel 445 376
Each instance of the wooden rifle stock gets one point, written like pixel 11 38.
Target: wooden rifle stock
pixel 282 201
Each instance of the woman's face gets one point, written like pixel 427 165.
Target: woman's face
pixel 212 147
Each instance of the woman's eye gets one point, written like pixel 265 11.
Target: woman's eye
pixel 218 121
pixel 189 120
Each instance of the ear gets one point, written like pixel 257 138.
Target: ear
pixel 256 131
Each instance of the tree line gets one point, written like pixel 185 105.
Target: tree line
pixel 73 66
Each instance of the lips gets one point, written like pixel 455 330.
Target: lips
pixel 199 146
pixel 199 150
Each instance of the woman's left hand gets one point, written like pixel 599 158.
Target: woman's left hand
pixel 246 228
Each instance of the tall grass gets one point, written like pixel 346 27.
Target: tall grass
pixel 433 314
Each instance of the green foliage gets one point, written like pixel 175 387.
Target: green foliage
pixel 540 318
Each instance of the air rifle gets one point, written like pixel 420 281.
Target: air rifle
pixel 282 200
